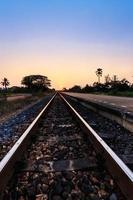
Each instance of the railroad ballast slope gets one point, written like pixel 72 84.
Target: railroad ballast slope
pixel 13 128
pixel 116 136
pixel 114 108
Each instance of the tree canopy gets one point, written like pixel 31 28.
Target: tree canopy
pixel 75 88
pixel 99 73
pixel 5 83
pixel 36 82
pixel 110 87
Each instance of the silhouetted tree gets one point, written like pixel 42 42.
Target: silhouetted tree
pixel 107 78
pixel 122 85
pixel 64 89
pixel 36 82
pixel 98 87
pixel 99 73
pixel 5 83
pixel 75 88
pixel 87 89
pixel 115 78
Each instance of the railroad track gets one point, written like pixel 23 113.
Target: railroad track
pixel 14 127
pixel 61 157
pixel 115 135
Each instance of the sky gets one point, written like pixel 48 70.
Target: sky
pixel 66 40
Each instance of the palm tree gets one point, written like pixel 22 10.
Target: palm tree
pixel 99 73
pixel 5 83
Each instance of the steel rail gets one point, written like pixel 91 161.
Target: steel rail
pixel 8 162
pixel 121 173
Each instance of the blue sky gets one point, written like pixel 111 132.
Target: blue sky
pixel 58 37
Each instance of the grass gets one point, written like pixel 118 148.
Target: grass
pixel 116 93
pixel 122 94
pixel 7 107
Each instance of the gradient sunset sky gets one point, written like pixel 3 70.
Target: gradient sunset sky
pixel 66 40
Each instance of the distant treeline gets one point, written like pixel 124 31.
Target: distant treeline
pixel 31 84
pixel 17 89
pixel 110 87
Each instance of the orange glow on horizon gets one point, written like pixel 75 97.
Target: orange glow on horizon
pixel 65 69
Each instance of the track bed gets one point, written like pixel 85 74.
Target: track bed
pixel 61 163
pixel 117 137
